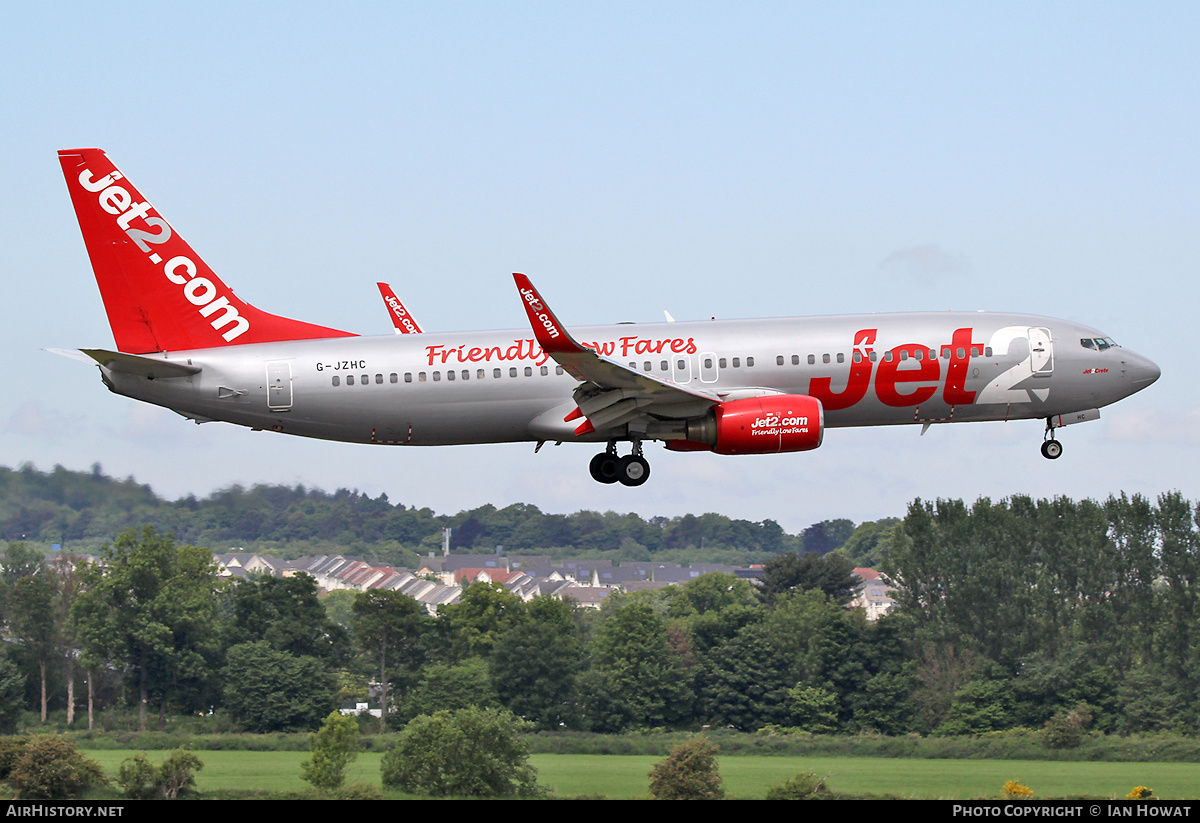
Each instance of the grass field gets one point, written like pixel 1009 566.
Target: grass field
pixel 625 777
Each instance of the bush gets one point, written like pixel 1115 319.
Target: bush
pixel 469 752
pixel 333 749
pixel 1013 790
pixel 689 772
pixel 10 750
pixel 175 776
pixel 1065 729
pixel 804 786
pixel 51 767
pixel 136 777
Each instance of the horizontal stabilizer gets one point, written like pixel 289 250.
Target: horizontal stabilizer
pixel 147 367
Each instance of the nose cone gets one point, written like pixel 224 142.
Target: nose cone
pixel 1140 371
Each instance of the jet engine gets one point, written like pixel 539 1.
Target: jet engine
pixel 756 425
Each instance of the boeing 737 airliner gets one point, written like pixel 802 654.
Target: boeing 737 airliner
pixel 186 342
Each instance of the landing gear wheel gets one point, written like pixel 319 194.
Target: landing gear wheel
pixel 1051 449
pixel 633 470
pixel 604 467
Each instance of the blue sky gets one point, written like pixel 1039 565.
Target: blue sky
pixel 737 160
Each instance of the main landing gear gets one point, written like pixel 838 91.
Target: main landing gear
pixel 631 470
pixel 1051 448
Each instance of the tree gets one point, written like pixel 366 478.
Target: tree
pixel 471 752
pixel 483 613
pixel 450 686
pixel 829 573
pixel 826 536
pixel 533 670
pixel 689 772
pixel 286 613
pixel 33 623
pixel 93 624
pixel 268 690
pixel 12 695
pixel 333 749
pixel 715 591
pixel 632 648
pixel 745 682
pixel 390 628
pixel 162 601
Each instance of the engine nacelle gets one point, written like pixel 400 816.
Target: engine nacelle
pixel 757 425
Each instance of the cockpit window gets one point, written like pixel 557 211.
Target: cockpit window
pixel 1097 343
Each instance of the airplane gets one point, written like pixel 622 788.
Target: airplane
pixel 402 318
pixel 186 342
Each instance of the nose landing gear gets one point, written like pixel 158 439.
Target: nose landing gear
pixel 631 470
pixel 1051 448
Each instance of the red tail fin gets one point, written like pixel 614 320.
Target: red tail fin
pixel 159 295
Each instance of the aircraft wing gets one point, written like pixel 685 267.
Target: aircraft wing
pixel 610 393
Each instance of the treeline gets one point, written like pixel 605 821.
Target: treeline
pixel 1057 615
pixel 82 511
pixel 1021 610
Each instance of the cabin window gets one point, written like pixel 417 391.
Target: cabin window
pixel 349 380
pixel 558 370
pixel 987 351
pixel 529 371
pixel 336 380
pixel 379 379
pixel 545 370
pixel 421 378
pixel 749 362
pixel 393 378
pixel 466 374
pixel 960 352
pixel 825 358
pixel 479 374
pixel 646 366
pixel 737 362
pixel 857 356
pixel 366 381
pixel 721 362
pixel 779 360
pixel 449 376
pixel 512 372
pixel 975 351
pixel 887 355
pixel 664 365
pixel 841 357
pixel 437 376
pixel 708 363
pixel 408 377
pixel 795 360
pixel 496 373
pixel 812 360
pixel 874 356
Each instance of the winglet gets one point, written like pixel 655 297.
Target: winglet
pixel 551 335
pixel 402 318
